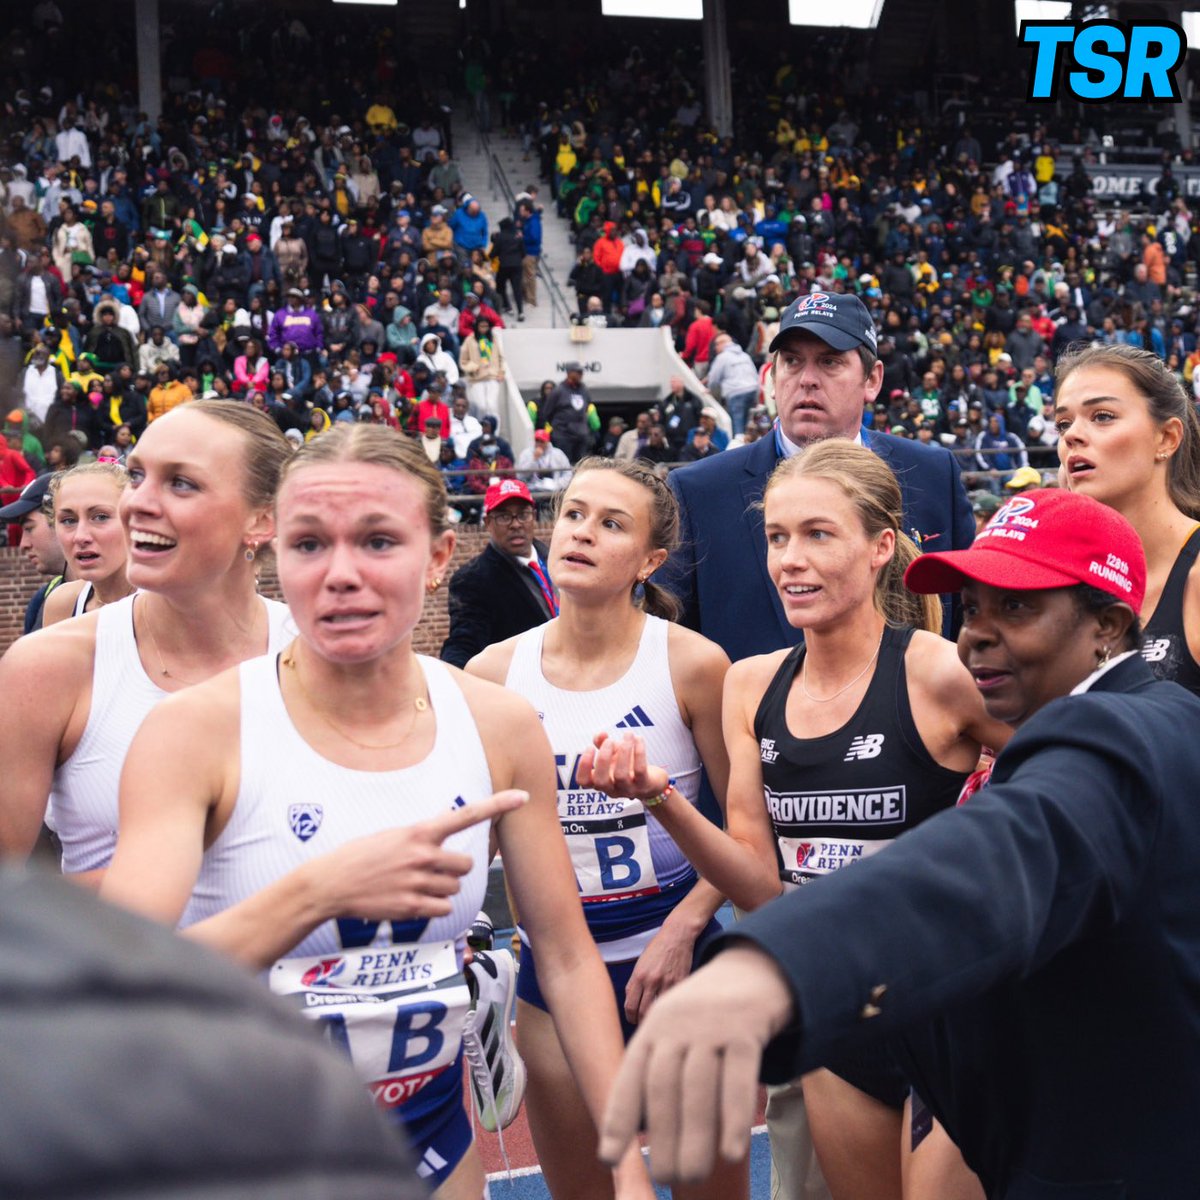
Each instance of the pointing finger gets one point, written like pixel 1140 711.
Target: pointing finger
pixel 458 819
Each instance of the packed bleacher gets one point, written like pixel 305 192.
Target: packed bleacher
pixel 302 239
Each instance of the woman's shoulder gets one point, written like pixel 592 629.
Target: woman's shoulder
pixel 54 663
pixel 693 651
pixel 60 603
pixel 497 711
pixel 755 673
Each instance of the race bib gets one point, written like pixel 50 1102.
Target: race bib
pixel 804 859
pixel 397 1011
pixel 611 853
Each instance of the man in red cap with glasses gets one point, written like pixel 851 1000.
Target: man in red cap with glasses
pixel 507 588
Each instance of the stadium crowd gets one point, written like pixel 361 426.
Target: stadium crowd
pixel 325 262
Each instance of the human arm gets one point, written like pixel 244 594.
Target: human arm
pixel 174 795
pixel 539 874
pixel 738 862
pixel 55 666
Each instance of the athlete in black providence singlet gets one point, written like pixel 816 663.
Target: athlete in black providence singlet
pixel 1166 647
pixel 838 799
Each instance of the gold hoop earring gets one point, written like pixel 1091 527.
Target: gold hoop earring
pixel 1105 656
pixel 433 585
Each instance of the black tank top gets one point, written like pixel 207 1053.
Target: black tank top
pixel 1165 647
pixel 836 799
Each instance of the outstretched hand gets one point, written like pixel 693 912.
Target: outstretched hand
pixel 691 1071
pixel 618 767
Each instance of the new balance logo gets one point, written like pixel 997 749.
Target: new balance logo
pixel 1156 651
pixel 867 746
pixel 635 720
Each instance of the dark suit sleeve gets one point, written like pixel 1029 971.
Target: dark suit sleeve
pixel 678 573
pixel 963 519
pixel 470 619
pixel 992 890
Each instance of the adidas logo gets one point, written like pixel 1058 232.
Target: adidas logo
pixel 869 745
pixel 636 719
pixel 430 1164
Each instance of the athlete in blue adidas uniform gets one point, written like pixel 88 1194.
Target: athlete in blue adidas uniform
pixel 836 747
pixel 610 663
pixel 323 815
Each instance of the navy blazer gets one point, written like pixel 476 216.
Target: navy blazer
pixel 719 571
pixel 1037 952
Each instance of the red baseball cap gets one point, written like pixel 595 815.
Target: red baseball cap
pixel 505 490
pixel 1047 538
pixel 541 435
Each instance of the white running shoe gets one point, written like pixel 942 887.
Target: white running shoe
pixel 497 1072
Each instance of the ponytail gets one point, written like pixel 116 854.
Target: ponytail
pixel 658 602
pixel 896 602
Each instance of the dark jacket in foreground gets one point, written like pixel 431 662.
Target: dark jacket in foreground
pixel 1037 951
pixel 138 1064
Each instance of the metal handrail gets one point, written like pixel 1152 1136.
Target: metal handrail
pixel 498 179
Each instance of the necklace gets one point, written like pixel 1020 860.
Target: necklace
pixel 419 703
pixel 826 699
pixel 162 666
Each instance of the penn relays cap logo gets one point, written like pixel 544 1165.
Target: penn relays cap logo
pixel 815 302
pixel 1012 520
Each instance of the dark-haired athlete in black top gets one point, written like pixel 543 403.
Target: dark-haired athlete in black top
pixel 1166 646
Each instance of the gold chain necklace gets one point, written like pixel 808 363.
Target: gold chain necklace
pixel 162 666
pixel 420 704
pixel 827 699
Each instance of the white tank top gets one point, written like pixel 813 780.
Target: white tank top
pixel 391 993
pixel 82 809
pixel 85 594
pixel 629 871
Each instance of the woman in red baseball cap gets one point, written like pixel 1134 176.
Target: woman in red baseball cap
pixel 1129 437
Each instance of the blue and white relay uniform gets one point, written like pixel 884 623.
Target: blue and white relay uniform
pixel 629 871
pixel 391 994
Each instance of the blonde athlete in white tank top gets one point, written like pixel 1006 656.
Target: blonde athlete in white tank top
pixel 196 511
pixel 83 802
pixel 292 813
pixel 606 665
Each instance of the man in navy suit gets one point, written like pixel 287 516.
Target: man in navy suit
pixel 825 370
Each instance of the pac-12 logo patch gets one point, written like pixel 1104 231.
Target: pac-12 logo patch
pixel 324 974
pixel 305 819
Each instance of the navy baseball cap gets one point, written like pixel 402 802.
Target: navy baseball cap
pixel 31 497
pixel 842 321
